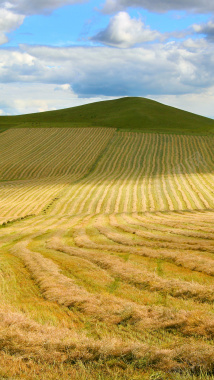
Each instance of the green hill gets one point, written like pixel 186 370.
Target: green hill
pixel 129 114
pixel 106 244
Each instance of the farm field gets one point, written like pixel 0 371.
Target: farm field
pixel 106 254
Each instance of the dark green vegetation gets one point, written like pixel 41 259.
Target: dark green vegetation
pixel 127 114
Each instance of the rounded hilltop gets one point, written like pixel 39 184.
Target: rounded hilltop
pixel 128 114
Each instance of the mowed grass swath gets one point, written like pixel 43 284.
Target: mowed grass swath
pixel 107 243
pixel 37 164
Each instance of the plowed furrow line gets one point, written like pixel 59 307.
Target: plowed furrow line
pixel 46 160
pixel 195 218
pixel 180 185
pixel 51 344
pixel 166 180
pixel 172 228
pixel 193 165
pixel 164 242
pixel 149 280
pixel 71 201
pixel 128 164
pixel 204 169
pixel 27 152
pixel 144 183
pixel 107 169
pixel 130 184
pixel 162 190
pixel 175 182
pixel 121 176
pixel 56 287
pixel 198 199
pixel 137 201
pixel 151 192
pixel 151 231
pixel 189 260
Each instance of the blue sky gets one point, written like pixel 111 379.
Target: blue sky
pixel 73 25
pixel 62 53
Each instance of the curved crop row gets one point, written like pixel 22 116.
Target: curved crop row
pixel 144 172
pixel 50 159
pixel 50 152
pixel 114 280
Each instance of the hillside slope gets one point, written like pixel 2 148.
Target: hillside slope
pixel 106 250
pixel 98 170
pixel 130 114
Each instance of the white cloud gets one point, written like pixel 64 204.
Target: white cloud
pixel 206 29
pixel 8 22
pixel 160 68
pixel 124 31
pixel 157 69
pixel 19 98
pixel 3 38
pixel 13 12
pixel 201 104
pixel 63 87
pixel 196 6
pixel 28 7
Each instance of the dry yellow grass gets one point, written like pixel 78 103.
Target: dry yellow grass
pixel 106 255
pixel 128 330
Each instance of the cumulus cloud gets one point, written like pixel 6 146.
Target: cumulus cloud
pixel 206 29
pixel 124 31
pixel 21 98
pixel 13 12
pixel 63 87
pixel 201 104
pixel 8 22
pixel 196 6
pixel 36 78
pixel 172 68
pixel 3 38
pixel 29 7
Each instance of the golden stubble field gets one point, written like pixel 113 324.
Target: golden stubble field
pixel 107 255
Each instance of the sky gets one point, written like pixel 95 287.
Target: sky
pixel 63 53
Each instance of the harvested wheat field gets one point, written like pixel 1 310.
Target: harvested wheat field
pixel 107 253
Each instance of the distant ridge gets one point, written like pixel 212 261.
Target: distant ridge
pixel 126 114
